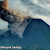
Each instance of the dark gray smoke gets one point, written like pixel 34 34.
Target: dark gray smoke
pixel 16 23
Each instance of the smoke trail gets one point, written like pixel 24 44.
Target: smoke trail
pixel 18 21
pixel 4 4
pixel 18 27
pixel 17 24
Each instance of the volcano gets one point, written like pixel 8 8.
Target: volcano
pixel 36 33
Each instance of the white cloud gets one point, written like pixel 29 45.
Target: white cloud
pixel 43 8
pixel 3 24
pixel 39 8
pixel 44 18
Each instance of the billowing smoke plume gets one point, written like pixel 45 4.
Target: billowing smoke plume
pixel 18 21
pixel 4 4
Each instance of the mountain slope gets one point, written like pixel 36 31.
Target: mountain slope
pixel 36 33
